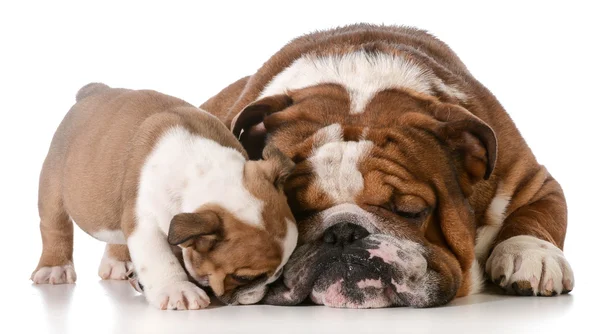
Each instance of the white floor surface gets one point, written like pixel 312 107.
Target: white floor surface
pixel 95 306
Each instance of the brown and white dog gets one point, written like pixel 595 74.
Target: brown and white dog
pixel 411 178
pixel 144 171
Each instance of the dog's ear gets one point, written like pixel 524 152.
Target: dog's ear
pixel 475 145
pixel 199 229
pixel 249 126
pixel 277 165
pixel 472 142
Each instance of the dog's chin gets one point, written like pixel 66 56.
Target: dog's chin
pixel 341 282
pixel 378 271
pixel 346 285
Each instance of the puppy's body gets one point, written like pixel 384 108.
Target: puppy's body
pixel 111 133
pixel 124 163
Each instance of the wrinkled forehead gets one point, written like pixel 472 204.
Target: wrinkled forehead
pixel 324 113
pixel 342 169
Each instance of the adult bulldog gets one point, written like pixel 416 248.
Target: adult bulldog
pixel 411 180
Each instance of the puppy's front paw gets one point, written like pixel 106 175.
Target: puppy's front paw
pixel 178 296
pixel 55 275
pixel 528 266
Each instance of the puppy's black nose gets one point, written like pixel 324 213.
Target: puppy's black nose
pixel 344 234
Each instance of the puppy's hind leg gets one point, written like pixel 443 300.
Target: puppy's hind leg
pixel 56 262
pixel 116 262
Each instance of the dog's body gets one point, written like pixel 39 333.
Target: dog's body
pixel 411 178
pixel 144 171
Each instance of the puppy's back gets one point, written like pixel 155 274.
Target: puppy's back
pixel 105 133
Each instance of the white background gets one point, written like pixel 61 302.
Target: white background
pixel 539 58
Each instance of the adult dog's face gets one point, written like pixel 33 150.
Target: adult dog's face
pixel 380 197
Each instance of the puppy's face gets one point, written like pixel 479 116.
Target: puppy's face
pixel 237 258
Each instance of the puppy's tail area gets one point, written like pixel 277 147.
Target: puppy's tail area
pixel 90 89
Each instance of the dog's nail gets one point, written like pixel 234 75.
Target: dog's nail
pixel 549 285
pixel 163 305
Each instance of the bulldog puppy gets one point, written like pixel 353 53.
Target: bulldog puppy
pixel 411 178
pixel 144 171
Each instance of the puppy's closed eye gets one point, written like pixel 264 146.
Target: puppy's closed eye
pixel 247 279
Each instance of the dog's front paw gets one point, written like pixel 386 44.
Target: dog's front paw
pixel 178 296
pixel 529 266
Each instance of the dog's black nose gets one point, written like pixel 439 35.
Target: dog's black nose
pixel 344 234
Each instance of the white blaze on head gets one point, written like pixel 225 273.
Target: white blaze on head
pixel 335 163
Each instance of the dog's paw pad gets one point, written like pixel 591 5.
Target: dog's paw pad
pixel 528 266
pixel 55 275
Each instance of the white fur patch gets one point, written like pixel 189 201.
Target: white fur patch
pixel 288 244
pixel 329 134
pixel 526 258
pixel 487 233
pixel 363 75
pixel 186 171
pixel 477 279
pixel 110 236
pixel 336 168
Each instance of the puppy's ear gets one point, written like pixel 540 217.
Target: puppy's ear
pixel 199 229
pixel 277 165
pixel 249 125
